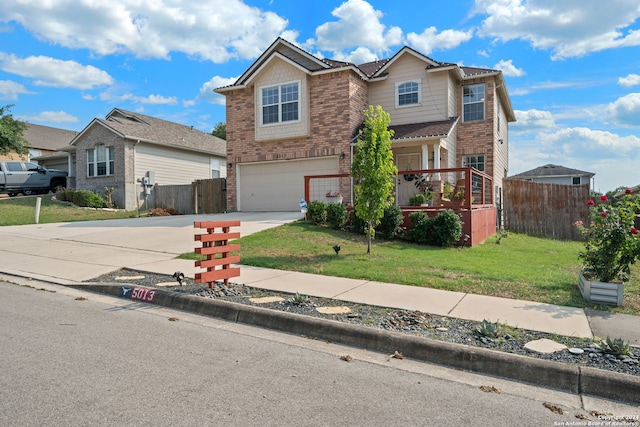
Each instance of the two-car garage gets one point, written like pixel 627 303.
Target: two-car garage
pixel 278 185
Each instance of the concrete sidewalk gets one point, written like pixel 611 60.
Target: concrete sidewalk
pixel 69 253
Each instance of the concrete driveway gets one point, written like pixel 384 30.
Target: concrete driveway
pixel 78 251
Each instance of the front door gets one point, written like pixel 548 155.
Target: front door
pixel 405 184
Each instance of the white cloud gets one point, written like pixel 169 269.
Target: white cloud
pixel 358 25
pixel 206 90
pixel 583 142
pixel 630 80
pixel 626 110
pixel 50 117
pixel 431 40
pixel 569 28
pixel 10 90
pixel 47 71
pixel 215 30
pixel 532 120
pixel 508 69
pixel 151 99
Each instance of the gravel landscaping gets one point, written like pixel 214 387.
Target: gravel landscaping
pixel 579 351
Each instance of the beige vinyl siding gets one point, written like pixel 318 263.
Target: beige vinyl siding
pixel 171 166
pixel 451 96
pixel 501 152
pixel 276 73
pixel 434 105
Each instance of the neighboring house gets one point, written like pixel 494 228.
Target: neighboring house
pixel 44 143
pixel 293 114
pixel 131 153
pixel 556 174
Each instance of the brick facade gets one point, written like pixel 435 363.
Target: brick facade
pixel 336 103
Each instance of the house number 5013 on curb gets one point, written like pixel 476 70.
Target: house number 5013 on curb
pixel 138 294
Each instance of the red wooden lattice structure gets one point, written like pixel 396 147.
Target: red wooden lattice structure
pixel 217 249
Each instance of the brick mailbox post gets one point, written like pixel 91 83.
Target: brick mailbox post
pixel 216 247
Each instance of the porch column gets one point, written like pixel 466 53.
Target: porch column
pixel 436 159
pixel 425 157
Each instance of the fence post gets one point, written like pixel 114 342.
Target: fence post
pixel 217 249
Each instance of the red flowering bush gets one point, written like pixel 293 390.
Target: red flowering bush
pixel 612 242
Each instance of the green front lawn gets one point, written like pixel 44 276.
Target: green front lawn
pixel 21 211
pixel 520 267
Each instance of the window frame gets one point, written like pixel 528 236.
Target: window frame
pixel 466 162
pixel 280 103
pixel 418 92
pixel 95 165
pixel 473 102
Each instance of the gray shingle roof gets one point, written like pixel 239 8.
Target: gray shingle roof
pixel 47 138
pixel 157 131
pixel 424 130
pixel 549 170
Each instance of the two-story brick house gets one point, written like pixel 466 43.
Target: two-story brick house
pixel 293 114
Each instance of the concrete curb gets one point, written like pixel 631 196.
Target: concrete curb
pixel 574 379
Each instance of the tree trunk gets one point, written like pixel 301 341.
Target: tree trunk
pixel 369 238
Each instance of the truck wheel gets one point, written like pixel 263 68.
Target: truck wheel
pixel 55 184
pixel 13 194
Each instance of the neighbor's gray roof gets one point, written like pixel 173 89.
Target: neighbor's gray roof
pixel 551 170
pixel 47 138
pixel 149 129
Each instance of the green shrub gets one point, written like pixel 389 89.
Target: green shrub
pixel 447 228
pixel 417 199
pixel 68 195
pixel 390 223
pixel 86 198
pixel 60 194
pixel 317 212
pixel 421 227
pixel 337 215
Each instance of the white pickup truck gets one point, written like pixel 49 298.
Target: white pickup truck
pixel 29 178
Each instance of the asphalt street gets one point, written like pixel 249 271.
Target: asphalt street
pixel 69 357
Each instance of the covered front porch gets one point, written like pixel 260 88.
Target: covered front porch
pixel 467 191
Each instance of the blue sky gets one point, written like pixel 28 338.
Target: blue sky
pixel 572 67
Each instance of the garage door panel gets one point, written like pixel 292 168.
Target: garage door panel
pixel 278 186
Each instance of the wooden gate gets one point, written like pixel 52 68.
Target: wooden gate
pixel 210 196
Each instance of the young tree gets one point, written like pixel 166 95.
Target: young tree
pixel 220 130
pixel 11 133
pixel 373 169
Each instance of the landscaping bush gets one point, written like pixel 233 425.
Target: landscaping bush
pixel 86 198
pixel 421 228
pixel 390 224
pixel 68 195
pixel 61 194
pixel 337 215
pixel 445 229
pixel 317 212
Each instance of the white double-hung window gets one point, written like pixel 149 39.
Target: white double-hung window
pixel 100 161
pixel 280 103
pixel 473 102
pixel 408 94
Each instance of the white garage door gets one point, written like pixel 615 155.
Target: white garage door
pixel 278 186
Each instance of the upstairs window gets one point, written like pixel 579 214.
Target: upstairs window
pixel 281 103
pixel 473 103
pixel 407 94
pixel 100 161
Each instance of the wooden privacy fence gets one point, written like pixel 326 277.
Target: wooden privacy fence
pixel 542 209
pixel 204 196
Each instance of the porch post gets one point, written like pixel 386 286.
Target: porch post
pixel 436 159
pixel 425 157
